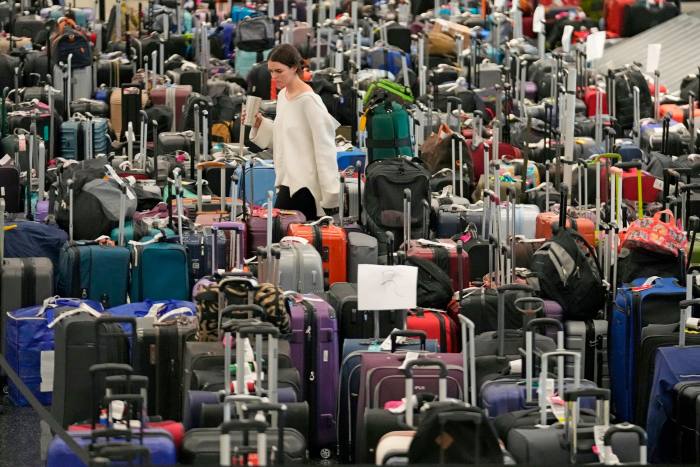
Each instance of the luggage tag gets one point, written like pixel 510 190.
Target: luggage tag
pixel 605 454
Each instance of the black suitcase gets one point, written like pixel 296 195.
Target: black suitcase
pixel 193 77
pixel 682 430
pixel 76 349
pixel 92 106
pixel 354 324
pixel 10 182
pixel 638 17
pixel 112 73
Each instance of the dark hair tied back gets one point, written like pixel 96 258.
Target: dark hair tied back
pixel 288 55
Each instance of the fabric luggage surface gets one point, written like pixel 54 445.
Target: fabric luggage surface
pixel 160 271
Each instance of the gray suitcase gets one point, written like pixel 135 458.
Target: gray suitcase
pixel 353 197
pixel 590 339
pixel 23 281
pixel 300 267
pixel 362 249
pixel 82 82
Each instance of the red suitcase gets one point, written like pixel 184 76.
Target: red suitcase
pixel 444 253
pixel 437 325
pixel 331 242
pixel 505 151
pixel 589 99
pixel 159 96
pixel 650 192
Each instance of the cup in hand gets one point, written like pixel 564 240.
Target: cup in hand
pixel 252 105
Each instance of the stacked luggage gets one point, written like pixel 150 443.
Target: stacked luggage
pixel 166 311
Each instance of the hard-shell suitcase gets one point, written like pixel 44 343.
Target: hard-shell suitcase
pixel 258 226
pixel 437 325
pixel 72 146
pixel 590 339
pixel 202 254
pixel 24 281
pixel 546 220
pixel 123 108
pixel 314 349
pixel 300 267
pixel 178 98
pixel 330 241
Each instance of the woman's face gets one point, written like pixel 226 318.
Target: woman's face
pixel 281 73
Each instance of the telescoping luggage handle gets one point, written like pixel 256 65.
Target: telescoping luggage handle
pixel 261 408
pixel 571 399
pixel 408 372
pixel 542 389
pixel 529 345
pixel 246 426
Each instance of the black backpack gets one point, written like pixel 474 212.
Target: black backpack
pixel 624 81
pixel 473 443
pixel 569 273
pixel 383 199
pixel 434 285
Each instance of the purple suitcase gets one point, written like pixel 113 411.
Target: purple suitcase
pixel 257 227
pixel 553 310
pixel 236 242
pixel 315 355
pixel 531 91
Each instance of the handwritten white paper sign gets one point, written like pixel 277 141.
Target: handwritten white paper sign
pixel 386 287
pixel 653 57
pixel 566 38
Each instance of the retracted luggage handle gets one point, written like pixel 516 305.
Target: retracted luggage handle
pixel 625 428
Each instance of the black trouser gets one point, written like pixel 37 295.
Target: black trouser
pixel 302 201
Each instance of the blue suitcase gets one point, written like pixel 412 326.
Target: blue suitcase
pixel 93 271
pixel 257 181
pixel 159 442
pixel 28 337
pixel 159 270
pixel 673 365
pixel 71 144
pixel 636 305
pixel 199 246
pixel 348 392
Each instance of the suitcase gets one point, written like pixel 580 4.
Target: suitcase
pixel 331 243
pixel 188 77
pixel 679 442
pixel 362 249
pixel 159 270
pixel 546 220
pixel 350 382
pixel 446 254
pixel 124 109
pixel 314 350
pixel 300 267
pixel 10 183
pixel 93 271
pixel 177 100
pixel 437 325
pixel 643 302
pixel 94 107
pixel 205 259
pixel 257 221
pixel 81 82
pixel 80 342
pixel 590 339
pixel 257 180
pixel 638 18
pixel 24 281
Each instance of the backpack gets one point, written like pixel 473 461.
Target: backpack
pixel 569 273
pixel 383 199
pixel 388 131
pixel 434 285
pixel 71 41
pixel 255 34
pixel 426 450
pixel 221 41
pixel 624 81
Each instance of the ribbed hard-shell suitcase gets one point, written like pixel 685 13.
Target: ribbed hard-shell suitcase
pixel 330 241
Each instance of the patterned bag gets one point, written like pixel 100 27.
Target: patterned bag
pixel 653 234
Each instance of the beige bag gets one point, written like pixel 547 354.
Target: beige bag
pixel 20 43
pixel 441 44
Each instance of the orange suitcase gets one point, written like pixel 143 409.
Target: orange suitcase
pixel 678 113
pixel 545 221
pixel 330 241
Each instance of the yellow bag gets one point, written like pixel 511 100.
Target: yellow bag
pixel 221 132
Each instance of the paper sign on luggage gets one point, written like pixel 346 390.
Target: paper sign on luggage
pixel 566 38
pixel 386 287
pixel 595 44
pixel 538 20
pixel 46 370
pixel 653 57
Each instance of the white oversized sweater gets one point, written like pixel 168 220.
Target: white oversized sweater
pixel 302 139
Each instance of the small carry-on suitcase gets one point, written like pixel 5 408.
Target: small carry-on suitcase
pixel 330 241
pixel 175 96
pixel 160 269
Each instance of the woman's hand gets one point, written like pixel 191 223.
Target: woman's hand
pixel 258 119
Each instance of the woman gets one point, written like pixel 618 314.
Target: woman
pixel 302 138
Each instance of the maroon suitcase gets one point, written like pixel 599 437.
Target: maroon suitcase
pixel 159 96
pixel 257 226
pixel 430 251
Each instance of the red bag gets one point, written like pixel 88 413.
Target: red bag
pixel 589 99
pixel 505 151
pixel 650 192
pixel 653 234
pixel 437 325
pixel 614 11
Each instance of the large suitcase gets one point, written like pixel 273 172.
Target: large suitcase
pixel 332 244
pixel 124 109
pixel 679 439
pixel 300 267
pixel 205 258
pixel 643 302
pixel 175 96
pixel 93 271
pixel 446 254
pixel 160 269
pixel 314 349
pixel 81 86
pixel 590 339
pixel 258 226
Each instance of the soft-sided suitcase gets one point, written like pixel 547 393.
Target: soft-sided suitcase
pixel 315 324
pixel 679 439
pixel 10 183
pixel 160 269
pixel 446 254
pixel 362 249
pixel 123 108
pixel 331 243
pixel 643 302
pixel 93 271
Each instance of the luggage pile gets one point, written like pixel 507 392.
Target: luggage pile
pixel 155 299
